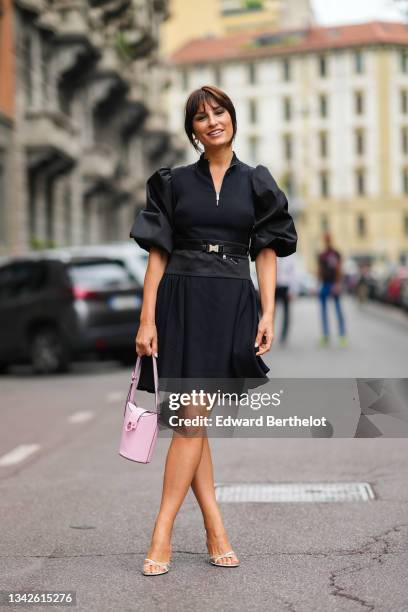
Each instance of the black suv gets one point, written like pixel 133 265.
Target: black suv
pixel 55 308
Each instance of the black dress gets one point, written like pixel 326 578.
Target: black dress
pixel 206 308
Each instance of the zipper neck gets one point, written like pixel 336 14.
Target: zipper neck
pixel 204 164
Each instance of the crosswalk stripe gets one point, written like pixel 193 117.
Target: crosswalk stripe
pixel 115 396
pixel 80 417
pixel 19 453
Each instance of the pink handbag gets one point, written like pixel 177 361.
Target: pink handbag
pixel 140 426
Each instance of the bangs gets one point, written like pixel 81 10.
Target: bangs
pixel 211 95
pixel 200 96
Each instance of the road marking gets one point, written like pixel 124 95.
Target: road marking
pixel 80 417
pixel 18 454
pixel 115 396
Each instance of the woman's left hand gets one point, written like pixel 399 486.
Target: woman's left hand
pixel 265 335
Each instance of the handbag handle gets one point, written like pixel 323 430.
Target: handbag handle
pixel 135 380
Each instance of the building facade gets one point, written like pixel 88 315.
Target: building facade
pixel 326 109
pixel 188 20
pixel 83 125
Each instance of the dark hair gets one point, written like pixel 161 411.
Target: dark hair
pixel 207 92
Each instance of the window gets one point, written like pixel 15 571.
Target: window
pixel 32 208
pixel 323 144
pixel 27 53
pixel 404 102
pixel 67 213
pixel 324 184
pixel 65 97
pixel 361 226
pixel 184 79
pixel 251 73
pixel 359 141
pixel 324 223
pixel 286 70
pixel 405 180
pixel 100 275
pixel 253 148
pixel 233 7
pixel 287 109
pixel 49 209
pixel 360 181
pixel 46 55
pixel 86 221
pixel 287 146
pixel 323 105
pixel 252 111
pixel 359 102
pixel 217 75
pixel 290 185
pixel 404 139
pixel 404 60
pixel 22 279
pixel 322 66
pixel 358 62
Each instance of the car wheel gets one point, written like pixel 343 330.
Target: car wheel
pixel 48 352
pixel 4 367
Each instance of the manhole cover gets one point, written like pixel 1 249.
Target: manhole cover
pixel 294 492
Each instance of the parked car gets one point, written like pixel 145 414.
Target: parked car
pixel 404 294
pixel 396 286
pixel 55 307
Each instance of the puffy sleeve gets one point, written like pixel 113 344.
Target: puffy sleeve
pixel 274 227
pixel 153 225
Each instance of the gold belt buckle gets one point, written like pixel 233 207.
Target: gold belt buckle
pixel 213 247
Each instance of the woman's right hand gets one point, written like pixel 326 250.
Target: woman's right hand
pixel 146 340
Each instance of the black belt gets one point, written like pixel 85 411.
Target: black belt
pixel 213 246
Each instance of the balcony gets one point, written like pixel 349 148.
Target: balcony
pixel 104 90
pixel 155 136
pixel 73 22
pixel 107 10
pixel 238 7
pixel 48 20
pixel 73 57
pixel 178 145
pixel 137 92
pixel 155 124
pixel 109 60
pixel 129 185
pixel 139 190
pixel 99 163
pixel 50 136
pixel 136 42
pixel 132 117
pixel 34 6
pixel 162 6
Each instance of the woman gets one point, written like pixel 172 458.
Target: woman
pixel 199 314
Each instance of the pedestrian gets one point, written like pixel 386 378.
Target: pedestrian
pixel 286 288
pixel 330 274
pixel 199 313
pixel 362 286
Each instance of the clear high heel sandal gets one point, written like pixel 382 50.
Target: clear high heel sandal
pixel 162 564
pixel 214 558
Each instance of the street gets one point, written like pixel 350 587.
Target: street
pixel 75 516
